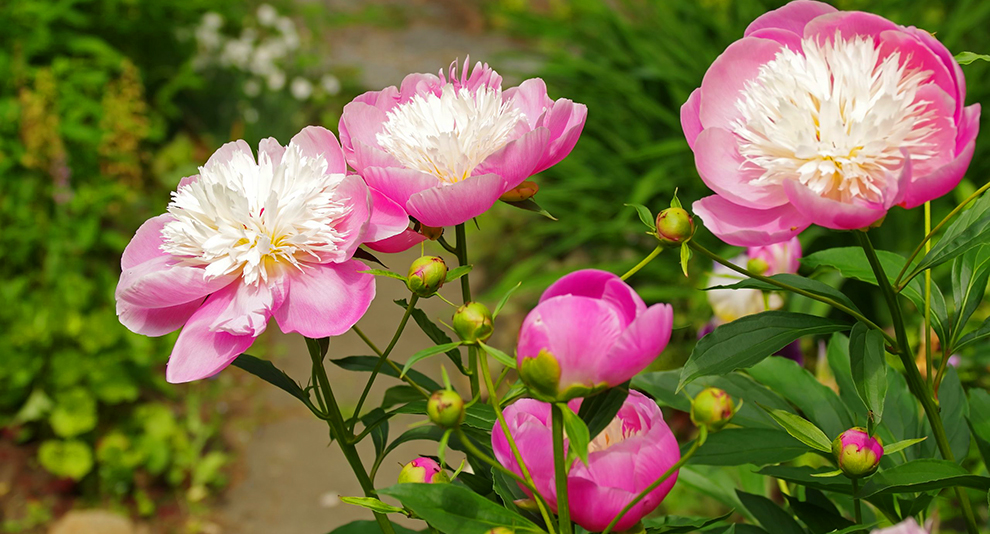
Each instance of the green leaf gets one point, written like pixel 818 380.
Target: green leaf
pixel 800 282
pixel 803 430
pixel 369 527
pixel 599 410
pixel 869 368
pixel 70 459
pixel 373 504
pixel 478 415
pixel 452 508
pixel 672 524
pixel 674 201
pixel 382 272
pixel 500 356
pixel 685 258
pixel 368 363
pixel 979 420
pixel 505 298
pixel 267 371
pixel 819 519
pixel 644 215
pixel 980 333
pixel 769 514
pixel 457 272
pixel 399 395
pixel 434 332
pixel 378 419
pixel 817 401
pixel 753 446
pixel 837 354
pixel 747 341
pixel 954 411
pixel 426 353
pixel 901 445
pixel 922 475
pixel 970 230
pixel 803 475
pixel 965 58
pixel 577 432
pixel 970 273
pixel 74 413
pixel 530 205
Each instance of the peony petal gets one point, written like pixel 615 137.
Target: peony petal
pixel 690 117
pixel 146 243
pixel 271 148
pixel 418 84
pixel 352 227
pixel 831 213
pixel 639 344
pixel 326 299
pixel 920 57
pixel 225 152
pixel 747 227
pixel 850 24
pixel 530 97
pixel 388 219
pixel 163 282
pixel 942 108
pixel 155 322
pixel 398 243
pixel 792 17
pixel 597 284
pixel 316 141
pixel 946 178
pixel 200 352
pixel 950 63
pixel 453 204
pixel 726 172
pixel 785 37
pixel 727 76
pixel 566 122
pixel 516 160
pixel 359 122
pixel 371 156
pixel 593 506
pixel 528 421
pixel 250 308
pixel 399 183
pixel 187 180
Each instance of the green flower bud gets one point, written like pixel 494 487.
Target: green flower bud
pixel 422 470
pixel 500 530
pixel 473 322
pixel 445 408
pixel 758 265
pixel 426 275
pixel 674 226
pixel 857 453
pixel 712 408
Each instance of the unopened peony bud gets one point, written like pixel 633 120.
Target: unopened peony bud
pixel 473 322
pixel 524 191
pixel 422 470
pixel 445 408
pixel 674 226
pixel 500 530
pixel 857 454
pixel 431 232
pixel 426 275
pixel 758 265
pixel 712 408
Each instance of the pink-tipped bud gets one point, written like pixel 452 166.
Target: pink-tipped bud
pixel 674 226
pixel 523 191
pixel 712 408
pixel 426 275
pixel 857 454
pixel 445 408
pixel 473 322
pixel 422 470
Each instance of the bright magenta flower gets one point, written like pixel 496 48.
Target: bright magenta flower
pixel 247 239
pixel 446 147
pixel 589 331
pixel 826 117
pixel 633 451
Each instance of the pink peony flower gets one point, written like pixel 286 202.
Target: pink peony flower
pixel 589 331
pixel 819 116
pixel 857 453
pixel 731 304
pixel 908 526
pixel 446 147
pixel 247 239
pixel 631 453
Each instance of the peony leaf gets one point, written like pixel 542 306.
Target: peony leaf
pixel 452 508
pixel 803 430
pixel 965 58
pixel 869 369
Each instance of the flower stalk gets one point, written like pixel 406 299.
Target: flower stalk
pixel 560 469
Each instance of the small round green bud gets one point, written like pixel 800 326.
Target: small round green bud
pixel 857 453
pixel 758 265
pixel 523 191
pixel 473 322
pixel 712 408
pixel 445 408
pixel 422 470
pixel 674 226
pixel 426 275
pixel 500 530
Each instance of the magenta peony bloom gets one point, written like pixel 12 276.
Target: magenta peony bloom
pixel 631 453
pixel 446 147
pixel 731 304
pixel 908 526
pixel 247 239
pixel 826 117
pixel 590 331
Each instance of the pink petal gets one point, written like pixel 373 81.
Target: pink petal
pixel 384 100
pixel 418 84
pixel 946 178
pixel 404 241
pixel 225 152
pixel 516 160
pixel 359 122
pixel 950 63
pixel 200 352
pixel 919 57
pixel 146 243
pixel 785 37
pixel 317 140
pixel 792 17
pixel 943 109
pixel 747 227
pixel 273 149
pixel 726 172
pixel 727 76
pixel 528 421
pixel 530 97
pixel 690 117
pixel 597 284
pixel 155 322
pixel 250 308
pixel 356 195
pixel 593 506
pixel 566 122
pixel 187 180
pixel 371 156
pixel 163 282
pixel 453 204
pixel 850 24
pixel 326 299
pixel 388 219
pixel 831 213
pixel 399 183
pixel 639 345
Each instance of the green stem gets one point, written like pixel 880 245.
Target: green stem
pixel 462 259
pixel 833 303
pixel 383 357
pixel 336 423
pixel 390 363
pixel 857 505
pixel 560 469
pixel 656 252
pixel 698 442
pixel 931 233
pixel 928 302
pixel 916 384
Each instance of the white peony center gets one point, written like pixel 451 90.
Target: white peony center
pixel 447 136
pixel 616 432
pixel 256 218
pixel 835 117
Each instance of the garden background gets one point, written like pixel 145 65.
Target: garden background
pixel 106 104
